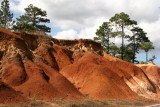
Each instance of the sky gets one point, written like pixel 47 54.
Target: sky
pixel 75 19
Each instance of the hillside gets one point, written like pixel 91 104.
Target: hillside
pixel 45 68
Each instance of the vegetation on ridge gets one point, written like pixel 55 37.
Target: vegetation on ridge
pixel 132 37
pixel 119 25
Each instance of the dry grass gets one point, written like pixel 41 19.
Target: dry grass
pixel 85 103
pixel 105 103
pixel 31 103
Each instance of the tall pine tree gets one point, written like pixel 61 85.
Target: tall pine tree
pixel 33 19
pixel 104 35
pixel 147 46
pixel 120 22
pixel 138 37
pixel 5 15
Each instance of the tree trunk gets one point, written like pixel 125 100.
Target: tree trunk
pixel 134 49
pixel 108 44
pixel 147 57
pixel 122 42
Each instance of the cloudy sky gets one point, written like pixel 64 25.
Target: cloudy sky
pixel 74 19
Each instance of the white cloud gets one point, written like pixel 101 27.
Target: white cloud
pixel 153 32
pixel 81 18
pixel 67 34
pixel 85 33
pixel 71 14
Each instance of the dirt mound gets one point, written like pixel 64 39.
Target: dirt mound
pixel 34 71
pixel 43 82
pixel 45 68
pixel 9 95
pixel 152 71
pixel 134 77
pixel 95 76
pixel 36 79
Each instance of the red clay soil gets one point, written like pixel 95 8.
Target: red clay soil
pixel 45 83
pixel 63 56
pixel 13 72
pixel 8 34
pixel 46 68
pixel 46 53
pixel 56 56
pixel 58 81
pixel 39 79
pixel 94 76
pixel 9 95
pixel 152 71
pixel 134 77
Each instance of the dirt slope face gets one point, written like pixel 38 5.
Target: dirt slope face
pixel 46 68
pixel 9 95
pixel 34 75
pixel 135 78
pixel 152 71
pixel 94 76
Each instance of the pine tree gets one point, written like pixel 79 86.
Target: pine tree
pixel 103 36
pixel 138 37
pixel 114 50
pixel 147 46
pixel 120 22
pixel 5 15
pixel 33 19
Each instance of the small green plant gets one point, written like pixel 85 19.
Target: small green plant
pixel 142 62
pixel 29 92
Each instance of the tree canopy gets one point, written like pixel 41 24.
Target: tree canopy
pixel 33 19
pixel 132 36
pixel 5 15
pixel 138 37
pixel 147 46
pixel 121 21
pixel 103 35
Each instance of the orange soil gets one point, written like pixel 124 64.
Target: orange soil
pixel 93 75
pixel 47 68
pixel 9 95
pixel 152 71
pixel 134 77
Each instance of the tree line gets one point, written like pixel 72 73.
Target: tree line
pixel 132 37
pixel 34 19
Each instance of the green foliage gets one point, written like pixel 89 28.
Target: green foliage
pixel 147 46
pixel 114 50
pixel 128 53
pixel 120 22
pixel 120 25
pixel 33 19
pixel 152 59
pixel 103 35
pixel 138 37
pixel 142 62
pixel 5 15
